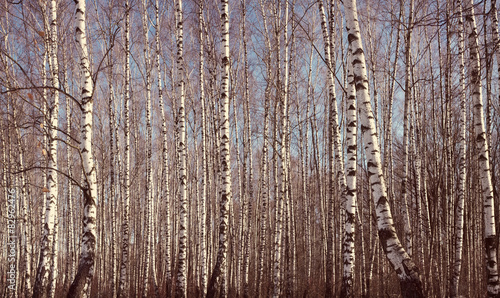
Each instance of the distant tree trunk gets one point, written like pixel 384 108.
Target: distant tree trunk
pixel 164 173
pixel 118 193
pixel 181 287
pixel 280 195
pixel 305 171
pixel 283 219
pixel 265 162
pixel 459 219
pixel 218 281
pixel 388 164
pixel 247 157
pixel 47 267
pixel 490 237
pixel 238 253
pixel 24 196
pixel 124 266
pixel 496 48
pixel 149 153
pixel 416 156
pixel 406 134
pixel 82 282
pixel 334 149
pixel 409 278
pixel 112 186
pixel 448 198
pixel 204 161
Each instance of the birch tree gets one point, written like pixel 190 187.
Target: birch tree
pixel 165 172
pixel 265 159
pixel 181 288
pixel 124 271
pixel 247 157
pixel 149 153
pixel 204 159
pixel 409 277
pixel 490 238
pixel 459 219
pixel 334 149
pixel 85 272
pixel 218 281
pixel 351 187
pixel 47 267
pixel 406 134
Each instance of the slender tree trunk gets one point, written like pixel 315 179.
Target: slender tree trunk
pixel 247 156
pixel 149 166
pixel 459 219
pixel 165 195
pixel 47 267
pixel 181 287
pixel 24 201
pixel 388 164
pixel 112 186
pixel 334 148
pixel 282 96
pixel 81 284
pixel 305 172
pixel 265 164
pixel 204 161
pixel 406 135
pixel 351 195
pixel 496 48
pixel 123 290
pixel 218 281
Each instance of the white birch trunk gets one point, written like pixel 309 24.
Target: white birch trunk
pixel 490 238
pixel 81 284
pixel 204 161
pixel 351 190
pixel 218 281
pixel 303 139
pixel 406 135
pixel 149 168
pixel 334 149
pixel 459 219
pixel 165 174
pixel 247 157
pixel 24 201
pixel 181 287
pixel 282 90
pixel 112 185
pixel 265 162
pixel 408 274
pixel 124 266
pixel 47 267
